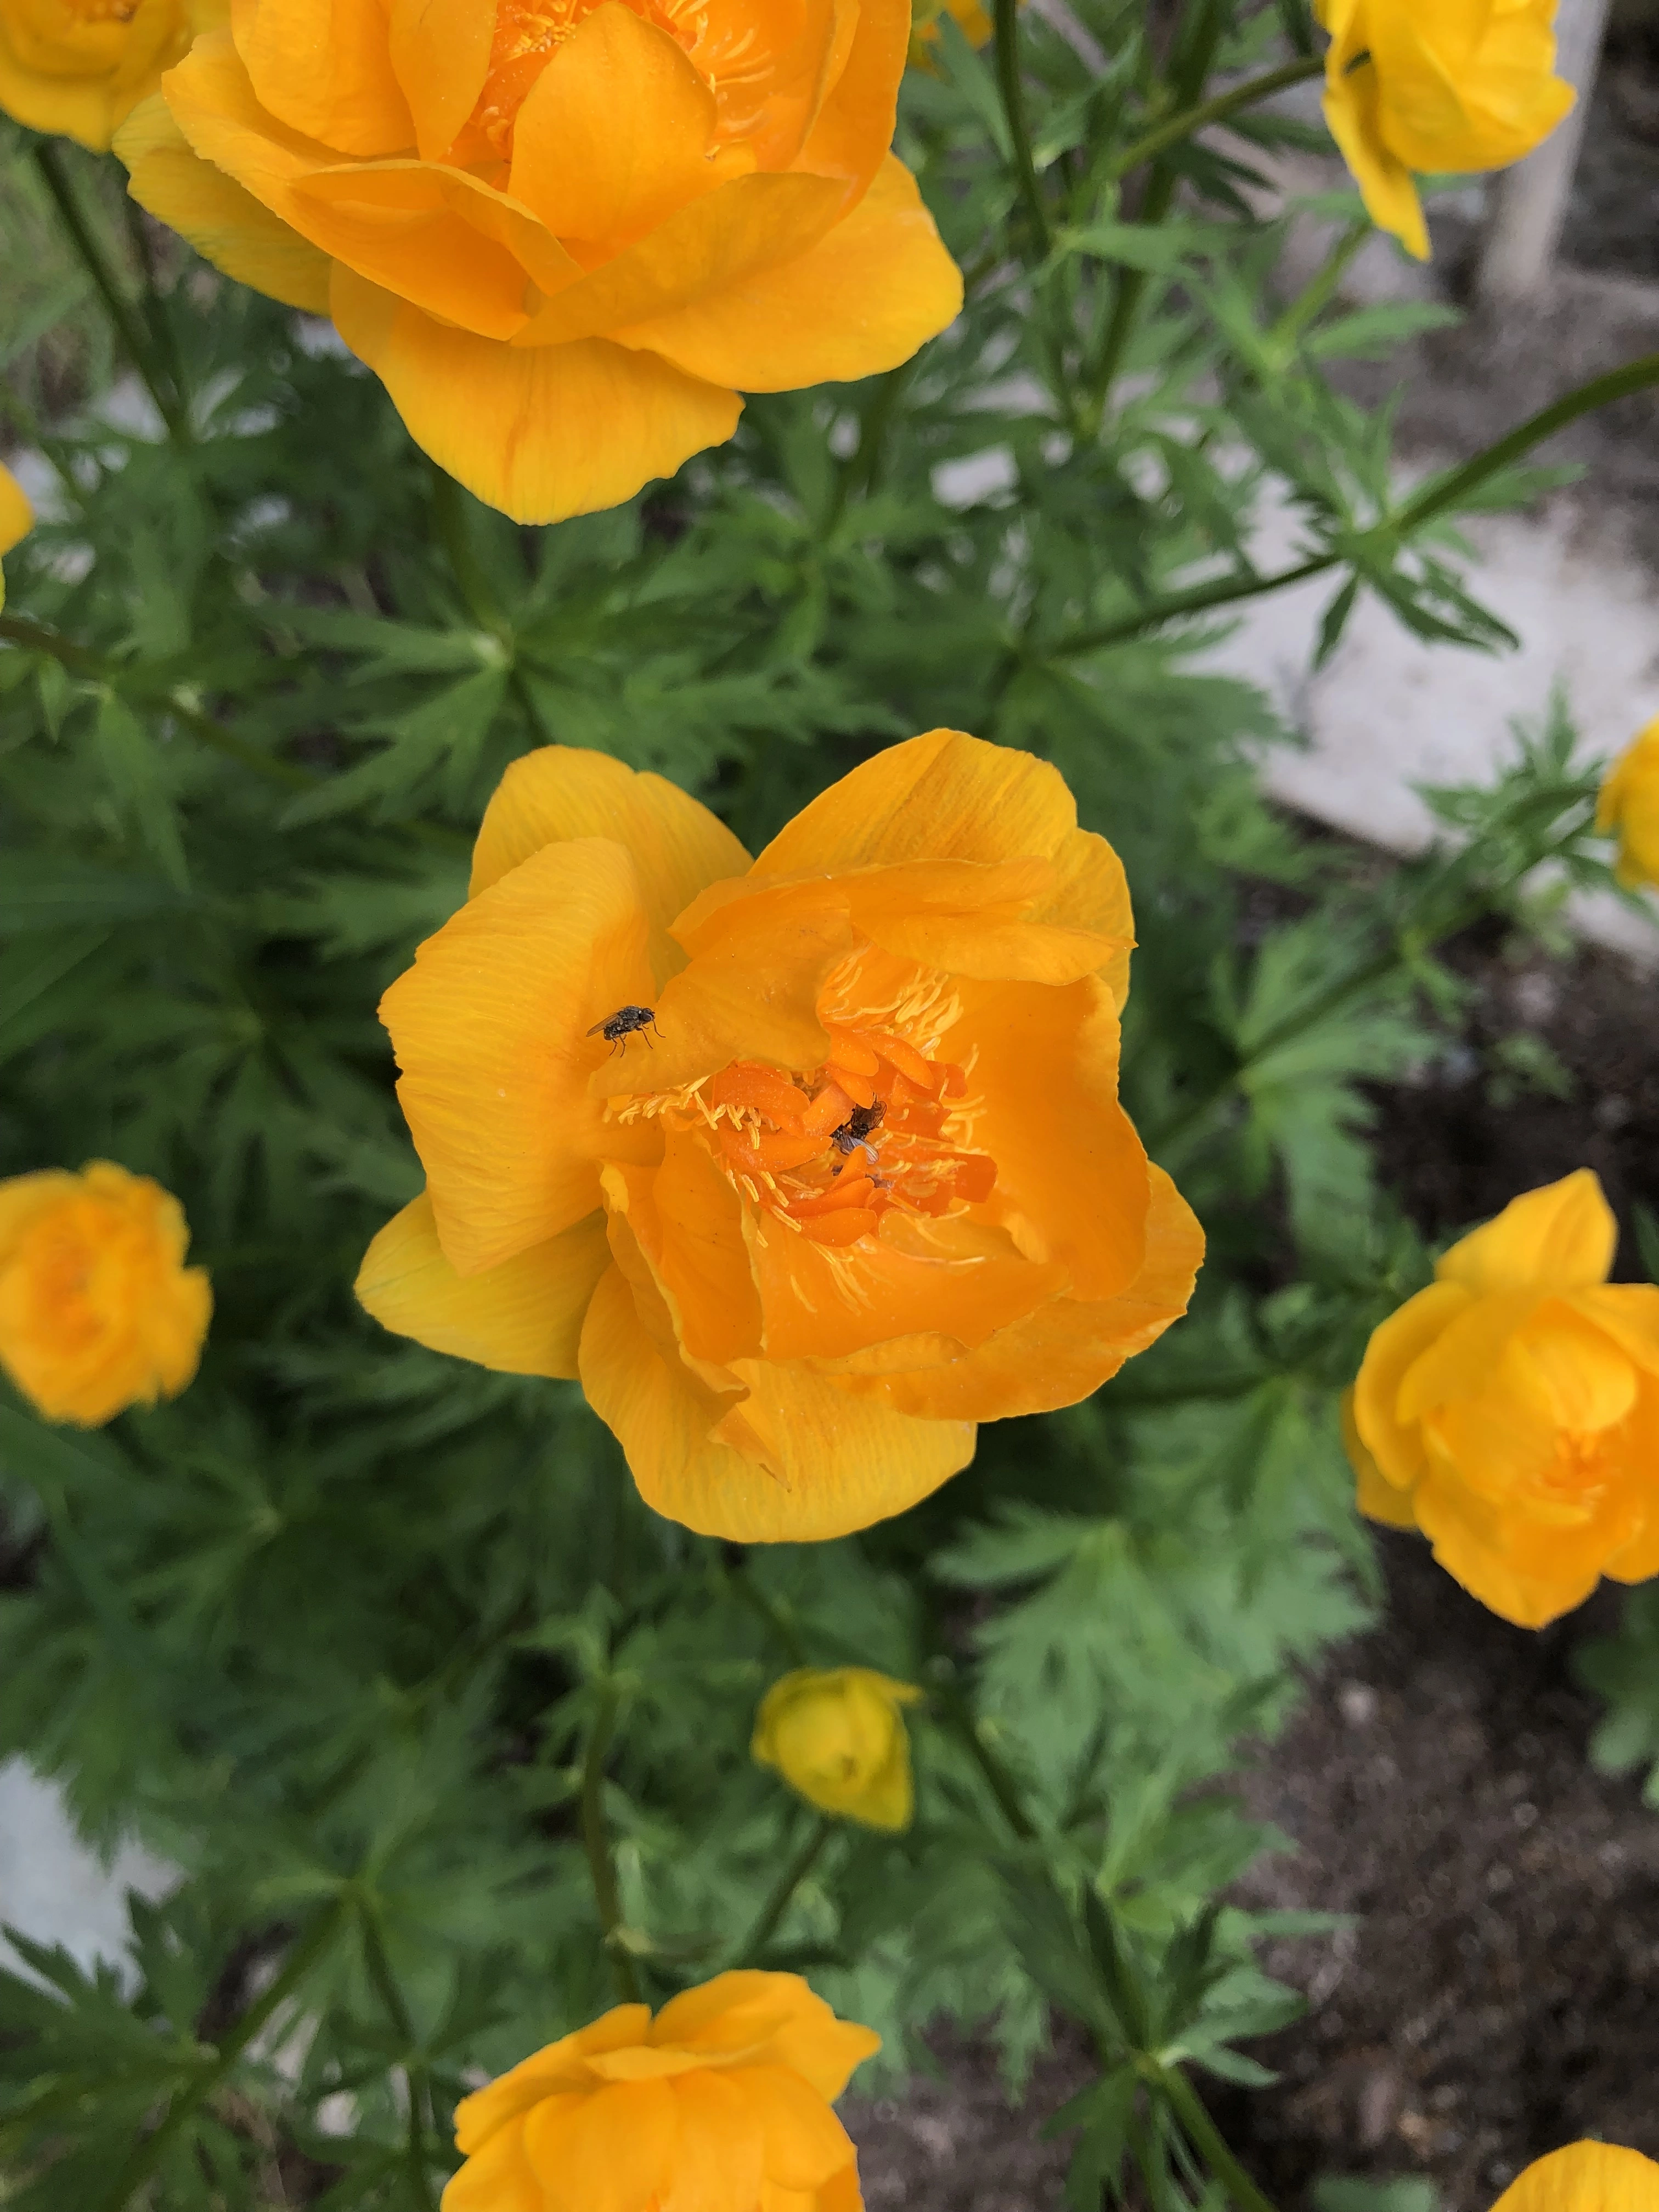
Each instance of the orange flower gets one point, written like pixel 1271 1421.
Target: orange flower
pixel 98 1311
pixel 79 66
pixel 1585 2177
pixel 864 1181
pixel 720 2104
pixel 566 236
pixel 1510 1410
pixel 1630 804
pixel 16 519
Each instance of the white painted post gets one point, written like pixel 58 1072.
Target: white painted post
pixel 1528 203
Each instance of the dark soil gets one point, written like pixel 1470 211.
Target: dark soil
pixel 1498 1993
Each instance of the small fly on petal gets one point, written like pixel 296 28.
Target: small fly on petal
pixel 616 1029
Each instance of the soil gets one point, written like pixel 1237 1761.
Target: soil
pixel 1496 1994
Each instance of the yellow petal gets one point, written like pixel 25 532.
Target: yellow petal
pixel 558 2068
pixel 1636 1560
pixel 685 1217
pixel 1629 1314
pixel 768 2020
pixel 1065 1349
pixel 853 128
pixel 1559 1239
pixel 78 107
pixel 616 132
pixel 490 1028
pixel 323 67
pixel 718 2163
pixel 1585 1378
pixel 806 2143
pixel 1467 1536
pixel 523 1317
pixel 225 224
pixel 440 54
pixel 1376 1497
pixel 610 2152
pixel 497 2177
pixel 544 434
pixel 834 1465
pixel 862 298
pixel 1463 1359
pixel 1354 117
pixel 1394 1348
pixel 560 792
pixel 1585 2177
pixel 16 517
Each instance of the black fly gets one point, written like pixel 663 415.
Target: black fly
pixel 616 1029
pixel 854 1131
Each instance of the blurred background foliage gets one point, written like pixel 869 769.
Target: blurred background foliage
pixel 366 1640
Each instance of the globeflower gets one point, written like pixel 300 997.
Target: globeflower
pixel 1629 805
pixel 1437 86
pixel 565 236
pixel 16 519
pixel 721 2103
pixel 78 67
pixel 1510 1410
pixel 98 1311
pixel 805 1165
pixel 1585 2177
pixel 840 1739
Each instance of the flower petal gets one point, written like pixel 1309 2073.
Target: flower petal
pixel 1468 1537
pixel 1559 1239
pixel 224 223
pixel 854 126
pixel 862 298
pixel 323 67
pixel 719 2163
pixel 806 2143
pixel 1352 107
pixel 490 1028
pixel 16 515
pixel 616 132
pixel 544 433
pixel 768 2020
pixel 839 1465
pixel 612 2151
pixel 1585 2177
pixel 1394 1348
pixel 497 2177
pixel 440 54
pixel 561 791
pixel 523 1317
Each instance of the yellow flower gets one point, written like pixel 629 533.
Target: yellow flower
pixel 78 67
pixel 16 519
pixel 970 18
pixel 1510 1410
pixel 98 1311
pixel 1630 804
pixel 564 236
pixel 720 2104
pixel 804 1166
pixel 840 1739
pixel 1585 2177
pixel 1437 86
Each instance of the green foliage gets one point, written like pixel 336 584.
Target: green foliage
pixel 383 1651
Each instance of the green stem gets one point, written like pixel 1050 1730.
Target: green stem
pixel 1207 2139
pixel 147 2156
pixel 1194 119
pixel 1282 337
pixel 415 2073
pixel 161 330
pixel 49 159
pixel 1000 1783
pixel 1012 89
pixel 788 1882
pixel 601 1866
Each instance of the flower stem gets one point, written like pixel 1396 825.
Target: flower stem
pixel 784 1890
pixel 1012 89
pixel 601 1866
pixel 129 328
pixel 147 2156
pixel 415 2073
pixel 1209 112
pixel 1207 2139
pixel 997 1780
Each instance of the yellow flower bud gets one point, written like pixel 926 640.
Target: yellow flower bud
pixel 1434 85
pixel 1585 2177
pixel 80 66
pixel 98 1311
pixel 840 1739
pixel 1630 805
pixel 16 519
pixel 1510 1410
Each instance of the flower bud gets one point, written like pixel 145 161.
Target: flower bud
pixel 98 1311
pixel 840 1739
pixel 1629 808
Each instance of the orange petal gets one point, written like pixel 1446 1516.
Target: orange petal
pixel 1468 1533
pixel 806 2143
pixel 440 54
pixel 559 792
pixel 1064 1349
pixel 542 435
pixel 719 2160
pixel 862 298
pixel 812 1466
pixel 323 67
pixel 16 515
pixel 612 2151
pixel 1376 1497
pixel 1559 1239
pixel 768 2020
pixel 839 1230
pixel 524 1317
pixel 224 223
pixel 497 2177
pixel 1585 2177
pixel 687 1220
pixel 616 132
pixel 1394 1348
pixel 853 127
pixel 490 1027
